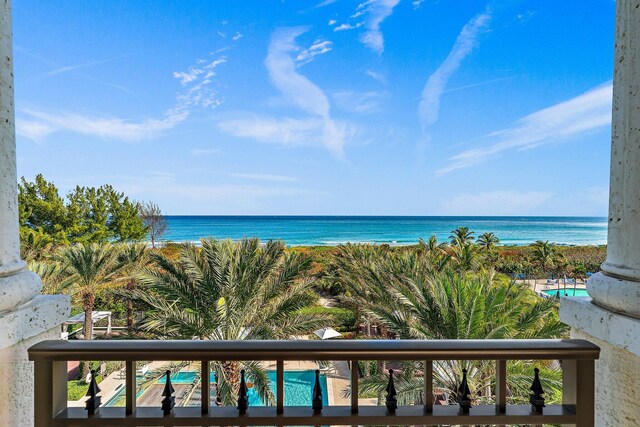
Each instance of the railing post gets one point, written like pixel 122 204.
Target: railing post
pixel 354 386
pixel 501 386
pixel 586 393
pixel 569 384
pixel 578 389
pixel 204 387
pixel 280 387
pixel 50 391
pixel 428 386
pixel 130 386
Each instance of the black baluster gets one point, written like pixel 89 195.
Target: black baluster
pixel 169 400
pixel 93 402
pixel 464 394
pixel 243 399
pixel 392 401
pixel 535 397
pixel 317 395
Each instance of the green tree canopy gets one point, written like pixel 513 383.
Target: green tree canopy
pixel 86 215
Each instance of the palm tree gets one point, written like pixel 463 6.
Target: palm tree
pixel 420 302
pixel 487 241
pixel 465 256
pixel 90 269
pixel 454 306
pixel 461 236
pixel 132 256
pixel 545 254
pixel 229 291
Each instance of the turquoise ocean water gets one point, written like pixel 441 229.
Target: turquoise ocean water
pixel 333 230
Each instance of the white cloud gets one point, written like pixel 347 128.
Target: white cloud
pixel 496 203
pixel 326 3
pixel 198 92
pixel 33 129
pixel 332 22
pixel 467 40
pixel 345 27
pixel 416 3
pixel 375 11
pixel 205 151
pixel 264 177
pixel 359 102
pixel 237 36
pixel 98 126
pixel 299 90
pixel 67 68
pixel 376 76
pixel 287 131
pixel 319 47
pixel 587 112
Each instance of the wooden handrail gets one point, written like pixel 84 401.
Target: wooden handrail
pixel 576 357
pixel 314 350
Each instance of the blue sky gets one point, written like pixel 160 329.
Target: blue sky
pixel 378 107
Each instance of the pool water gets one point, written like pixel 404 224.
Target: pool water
pixel 298 387
pixel 567 292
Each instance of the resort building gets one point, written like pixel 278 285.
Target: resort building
pixel 608 318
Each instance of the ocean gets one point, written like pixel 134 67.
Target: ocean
pixel 403 230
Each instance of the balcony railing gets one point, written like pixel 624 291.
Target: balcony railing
pixel 576 358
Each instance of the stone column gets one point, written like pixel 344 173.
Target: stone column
pixel 611 319
pixel 25 316
pixel 16 284
pixel 617 287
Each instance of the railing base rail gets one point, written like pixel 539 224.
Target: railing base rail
pixel 333 415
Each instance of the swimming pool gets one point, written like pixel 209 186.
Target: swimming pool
pixel 298 387
pixel 569 292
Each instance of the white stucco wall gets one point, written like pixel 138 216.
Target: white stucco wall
pixel 618 369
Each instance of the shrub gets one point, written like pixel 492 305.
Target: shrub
pixel 345 319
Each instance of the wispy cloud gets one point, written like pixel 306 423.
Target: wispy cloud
pixel 319 47
pixel 67 68
pixel 264 177
pixel 376 76
pixel 36 124
pixel 359 102
pixel 332 22
pixel 324 3
pixel 287 131
pixel 205 151
pixel 417 3
pixel 297 90
pixel 35 130
pixel 471 85
pixel 429 107
pixel 196 71
pixel 378 11
pixel 237 36
pixel 98 126
pixel 345 27
pixel 587 112
pixel 370 14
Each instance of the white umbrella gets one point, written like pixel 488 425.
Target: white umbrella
pixel 327 333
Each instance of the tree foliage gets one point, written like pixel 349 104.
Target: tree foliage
pixel 415 296
pixel 86 215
